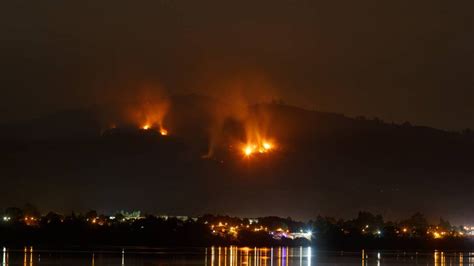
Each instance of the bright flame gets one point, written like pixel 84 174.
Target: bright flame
pixel 148 126
pixel 248 150
pixel 148 112
pixel 257 137
pixel 163 132
pixel 260 147
pixel 267 146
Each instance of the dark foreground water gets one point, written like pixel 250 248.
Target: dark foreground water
pixel 229 256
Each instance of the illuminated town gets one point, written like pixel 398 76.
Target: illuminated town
pixel 240 231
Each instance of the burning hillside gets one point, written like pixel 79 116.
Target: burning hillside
pixel 284 145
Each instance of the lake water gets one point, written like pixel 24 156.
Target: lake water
pixel 228 256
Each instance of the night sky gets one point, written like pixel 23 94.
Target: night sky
pixel 395 60
pixel 398 60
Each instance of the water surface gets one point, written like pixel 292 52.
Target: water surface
pixel 228 256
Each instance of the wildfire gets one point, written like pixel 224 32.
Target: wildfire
pixel 148 111
pixel 267 146
pixel 261 147
pixel 248 150
pixel 163 131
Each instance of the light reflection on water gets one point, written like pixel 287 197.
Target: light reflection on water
pixel 230 256
pixel 279 256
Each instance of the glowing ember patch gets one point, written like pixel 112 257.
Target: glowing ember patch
pixel 146 127
pixel 163 132
pixel 248 150
pixel 267 146
pixel 263 147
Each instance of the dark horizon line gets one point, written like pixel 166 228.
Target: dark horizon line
pixel 275 101
pixel 145 214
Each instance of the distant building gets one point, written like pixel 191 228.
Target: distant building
pixel 181 218
pixel 134 215
pixel 469 230
pixel 279 234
